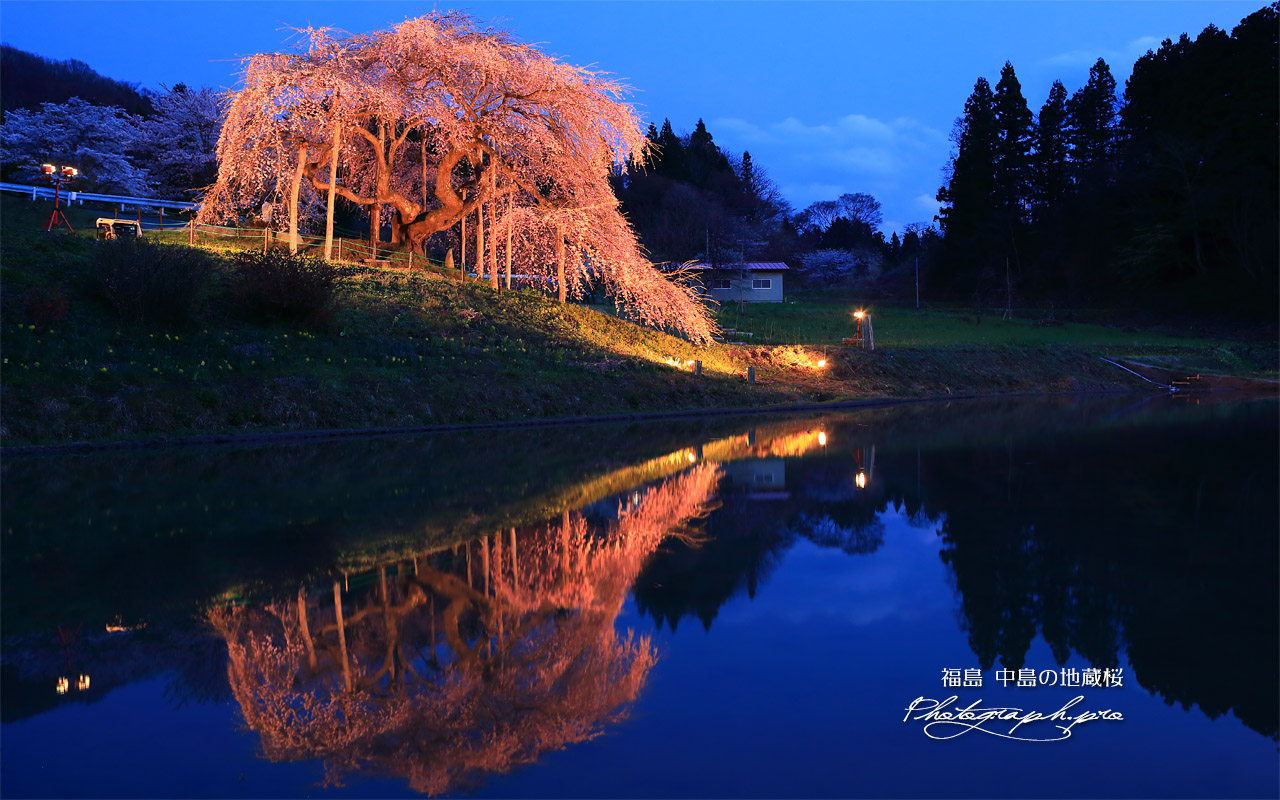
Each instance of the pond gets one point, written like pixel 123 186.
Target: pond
pixel 1053 597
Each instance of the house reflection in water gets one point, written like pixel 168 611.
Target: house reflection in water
pixel 757 478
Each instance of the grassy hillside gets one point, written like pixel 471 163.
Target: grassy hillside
pixel 418 348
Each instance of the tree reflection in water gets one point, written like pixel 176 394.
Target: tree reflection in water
pixel 461 663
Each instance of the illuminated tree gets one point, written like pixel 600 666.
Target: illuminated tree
pixel 438 120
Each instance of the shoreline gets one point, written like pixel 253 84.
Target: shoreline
pixel 332 434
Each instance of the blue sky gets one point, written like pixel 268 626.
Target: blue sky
pixel 829 97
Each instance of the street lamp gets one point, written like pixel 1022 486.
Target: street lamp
pixel 58 176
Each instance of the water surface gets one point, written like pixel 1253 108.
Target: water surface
pixel 733 607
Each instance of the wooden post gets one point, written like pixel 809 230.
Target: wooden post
pixel 751 374
pixel 191 233
pixel 480 242
pixel 493 230
pixel 697 368
pixel 342 635
pixel 484 563
pixel 510 202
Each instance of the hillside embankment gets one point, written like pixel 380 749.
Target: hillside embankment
pixel 407 349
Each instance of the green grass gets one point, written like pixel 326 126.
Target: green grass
pixel 823 323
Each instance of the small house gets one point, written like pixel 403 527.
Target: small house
pixel 747 282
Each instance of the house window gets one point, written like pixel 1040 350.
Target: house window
pixel 720 283
pixel 761 283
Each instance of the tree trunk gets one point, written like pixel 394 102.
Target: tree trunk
pixel 294 194
pixel 560 292
pixel 374 217
pixel 306 630
pixel 333 196
pixel 462 250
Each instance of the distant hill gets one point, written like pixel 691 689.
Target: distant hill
pixel 27 80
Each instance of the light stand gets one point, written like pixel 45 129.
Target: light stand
pixel 57 178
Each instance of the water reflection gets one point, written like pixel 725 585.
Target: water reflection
pixel 463 662
pixel 474 624
pixel 1155 541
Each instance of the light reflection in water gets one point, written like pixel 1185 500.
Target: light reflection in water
pixel 446 673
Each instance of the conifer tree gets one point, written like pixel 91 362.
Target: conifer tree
pixel 968 198
pixel 1013 147
pixel 1092 124
pixel 1051 175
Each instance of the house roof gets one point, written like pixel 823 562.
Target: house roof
pixel 748 266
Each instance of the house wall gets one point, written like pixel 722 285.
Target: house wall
pixel 740 287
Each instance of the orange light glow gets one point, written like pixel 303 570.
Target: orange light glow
pixel 822 362
pixel 63 685
pixel 859 314
pixel 861 480
pixel 822 438
pixel 692 458
pixel 82 683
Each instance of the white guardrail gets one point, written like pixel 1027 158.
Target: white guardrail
pixel 73 196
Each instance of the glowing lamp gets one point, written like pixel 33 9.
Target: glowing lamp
pixel 692 458
pixel 861 480
pixel 63 685
pixel 822 363
pixel 859 314
pixel 82 683
pixel 70 172
pixel 822 438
